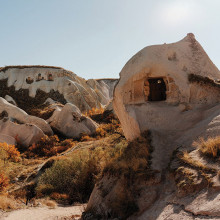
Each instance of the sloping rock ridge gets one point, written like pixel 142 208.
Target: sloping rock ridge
pixel 31 85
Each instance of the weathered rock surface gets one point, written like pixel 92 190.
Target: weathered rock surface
pixel 70 122
pixel 26 134
pixel 187 77
pixel 185 107
pixel 10 100
pixel 7 139
pixel 32 85
pixel 15 113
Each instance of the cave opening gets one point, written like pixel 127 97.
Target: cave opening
pixel 157 89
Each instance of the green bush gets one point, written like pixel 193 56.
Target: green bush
pixel 75 176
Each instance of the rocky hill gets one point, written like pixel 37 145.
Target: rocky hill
pixel 41 100
pixel 30 86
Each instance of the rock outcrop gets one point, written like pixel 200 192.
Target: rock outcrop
pixel 30 86
pixel 180 75
pixel 173 91
pixel 70 122
pixel 18 115
pixel 26 134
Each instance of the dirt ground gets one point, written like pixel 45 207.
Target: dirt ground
pixel 44 213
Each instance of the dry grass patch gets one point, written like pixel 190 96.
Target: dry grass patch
pixel 186 158
pixel 210 147
pixel 50 203
pixel 8 203
pixel 49 146
pixel 72 178
pixel 132 161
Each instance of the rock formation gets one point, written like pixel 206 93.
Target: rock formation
pixel 31 85
pixel 173 91
pixel 179 74
pixel 20 116
pixel 70 122
pixel 30 90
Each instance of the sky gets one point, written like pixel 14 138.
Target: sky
pixel 95 38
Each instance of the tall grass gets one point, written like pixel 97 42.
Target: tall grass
pixel 76 175
pixel 210 147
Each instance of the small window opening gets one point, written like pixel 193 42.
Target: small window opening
pixel 157 88
pixel 50 77
pixel 39 77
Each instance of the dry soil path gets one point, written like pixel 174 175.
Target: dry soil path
pixel 44 213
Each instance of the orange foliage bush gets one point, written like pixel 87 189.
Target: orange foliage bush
pixel 94 111
pixel 86 138
pixel 49 146
pixel 4 181
pixel 11 152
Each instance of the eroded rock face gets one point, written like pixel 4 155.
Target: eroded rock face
pixel 32 85
pixel 26 134
pixel 70 122
pixel 7 139
pixel 15 113
pixel 160 82
pixel 173 91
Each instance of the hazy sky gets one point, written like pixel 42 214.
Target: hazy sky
pixel 95 38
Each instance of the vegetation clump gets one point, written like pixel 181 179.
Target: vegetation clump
pixel 9 152
pixel 4 181
pixel 134 160
pixel 72 178
pixel 49 146
pixel 210 147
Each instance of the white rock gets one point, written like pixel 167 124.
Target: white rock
pixel 26 134
pixel 10 100
pixel 170 64
pixel 20 115
pixel 70 122
pixel 7 139
pixel 73 88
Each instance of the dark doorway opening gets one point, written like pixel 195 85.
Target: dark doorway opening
pixel 157 89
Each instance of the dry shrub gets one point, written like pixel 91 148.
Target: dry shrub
pixel 86 137
pixel 4 181
pixel 210 147
pixel 9 152
pixel 186 158
pixel 94 111
pixel 60 197
pixel 7 203
pixel 104 130
pixel 44 111
pixel 49 146
pixel 100 132
pixel 186 179
pixel 75 176
pixel 50 203
pixel 134 161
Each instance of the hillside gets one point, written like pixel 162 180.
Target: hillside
pixel 154 156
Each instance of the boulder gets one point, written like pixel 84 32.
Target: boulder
pixel 70 122
pixel 26 134
pixel 15 113
pixel 7 139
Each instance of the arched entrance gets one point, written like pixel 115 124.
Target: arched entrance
pixel 157 89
